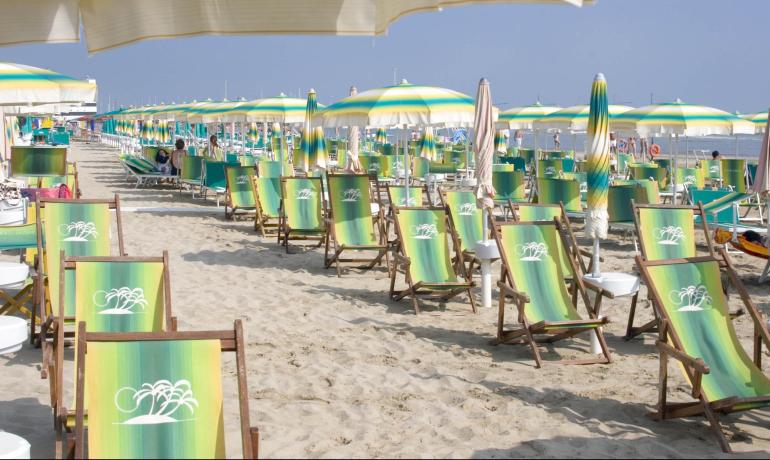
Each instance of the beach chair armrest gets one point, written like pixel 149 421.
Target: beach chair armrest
pixel 697 364
pixel 592 285
pixel 254 433
pixel 505 289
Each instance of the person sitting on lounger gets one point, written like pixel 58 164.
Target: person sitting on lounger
pixel 215 151
pixel 715 155
pixel 177 157
pixel 161 158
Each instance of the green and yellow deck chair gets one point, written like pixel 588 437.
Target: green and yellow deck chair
pixel 712 171
pixel 33 162
pixel 21 299
pixel 696 330
pixel 734 174
pixel 658 174
pixel 564 191
pixel 466 221
pixel 509 186
pixel 79 228
pixel 423 255
pixel 666 232
pixel 267 196
pixel 397 196
pixel 170 406
pixel 551 168
pixel 532 276
pixel 240 194
pixel 352 227
pixel 191 174
pixel 691 178
pixel 112 295
pixel 303 209
pixel 272 169
pixel 70 179
pixel 529 156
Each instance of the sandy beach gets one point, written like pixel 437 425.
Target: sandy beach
pixel 337 369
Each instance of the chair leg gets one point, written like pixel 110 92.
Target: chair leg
pixel 714 422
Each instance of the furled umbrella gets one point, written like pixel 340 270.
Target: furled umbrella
pixel 761 184
pixel 352 161
pixel 483 147
pixel 428 144
pixel 501 141
pixel 382 136
pixel 307 143
pixel 598 157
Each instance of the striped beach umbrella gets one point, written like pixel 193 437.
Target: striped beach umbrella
pixel 252 134
pixel 680 119
pixel 598 157
pixel 759 120
pixel 428 145
pixel 575 118
pixel 524 117
pixel 382 136
pixel 501 142
pixel 280 109
pixel 313 144
pixel 26 85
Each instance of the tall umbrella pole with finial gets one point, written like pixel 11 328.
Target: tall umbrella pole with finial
pixel 484 146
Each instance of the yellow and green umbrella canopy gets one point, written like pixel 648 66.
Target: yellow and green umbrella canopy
pixel 759 120
pixel 679 118
pixel 524 117
pixel 25 85
pixel 575 118
pixel 280 109
pixel 598 157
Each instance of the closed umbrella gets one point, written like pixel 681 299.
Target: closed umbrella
pixel 382 136
pixel 762 184
pixel 483 147
pixel 352 162
pixel 598 157
pixel 428 144
pixel 501 143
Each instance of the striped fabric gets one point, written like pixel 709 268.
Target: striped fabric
pixel 26 85
pixel 575 118
pixel 678 118
pixel 598 157
pixel 524 117
pixel 280 109
pixel 423 235
pixel 759 120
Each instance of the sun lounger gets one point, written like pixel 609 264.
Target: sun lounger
pixel 423 255
pixel 240 194
pixel 532 276
pixel 465 219
pixel 302 210
pixel 697 331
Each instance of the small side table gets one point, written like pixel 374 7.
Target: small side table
pixel 13 332
pixel 612 285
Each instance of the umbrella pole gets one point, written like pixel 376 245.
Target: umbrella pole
pixel 595 259
pixel 406 164
pixel 485 263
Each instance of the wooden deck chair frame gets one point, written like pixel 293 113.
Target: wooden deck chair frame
pixel 43 293
pixel 542 332
pixel 230 340
pixel 333 242
pixel 697 211
pixel 401 263
pixel 284 228
pixel 467 256
pixel 669 346
pixel 54 361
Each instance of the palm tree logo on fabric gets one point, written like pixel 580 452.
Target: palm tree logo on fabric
pixel 242 179
pixel 351 194
pixel 79 231
pixel 424 231
pixel 669 235
pixel 550 171
pixel 691 298
pixel 304 194
pixel 689 180
pixel 410 201
pixel 532 251
pixel 714 169
pixel 157 402
pixel 120 301
pixel 466 209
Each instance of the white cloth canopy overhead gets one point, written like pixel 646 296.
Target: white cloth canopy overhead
pixel 112 23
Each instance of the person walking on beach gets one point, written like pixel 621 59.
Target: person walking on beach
pixel 613 144
pixel 215 151
pixel 632 146
pixel 518 137
pixel 177 157
pixel 556 141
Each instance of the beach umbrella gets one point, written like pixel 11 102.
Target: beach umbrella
pixel 483 147
pixel 759 120
pixel 575 119
pixel 598 157
pixel 382 136
pixel 428 144
pixel 111 23
pixel 353 134
pixel 761 183
pixel 680 119
pixel 313 144
pixel 524 117
pixel 26 85
pixel 501 142
pixel 401 106
pixel 280 109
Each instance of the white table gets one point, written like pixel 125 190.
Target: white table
pixel 12 446
pixel 612 285
pixel 13 332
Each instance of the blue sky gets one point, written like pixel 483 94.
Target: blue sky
pixel 711 52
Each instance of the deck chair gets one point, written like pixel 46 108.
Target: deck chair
pixel 112 295
pixel 191 174
pixel 465 219
pixel 79 228
pixel 302 210
pixel 170 406
pixel 70 179
pixel 734 174
pixel 214 178
pixel 509 186
pixel 532 276
pixel 658 174
pixel 38 161
pixel 696 331
pixel 665 232
pixel 565 191
pixel 350 222
pixel 240 195
pixel 422 254
pixel 267 191
pixel 739 242
pixel 142 171
pixel 22 298
pixel 272 169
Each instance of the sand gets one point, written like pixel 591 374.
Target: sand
pixel 336 369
